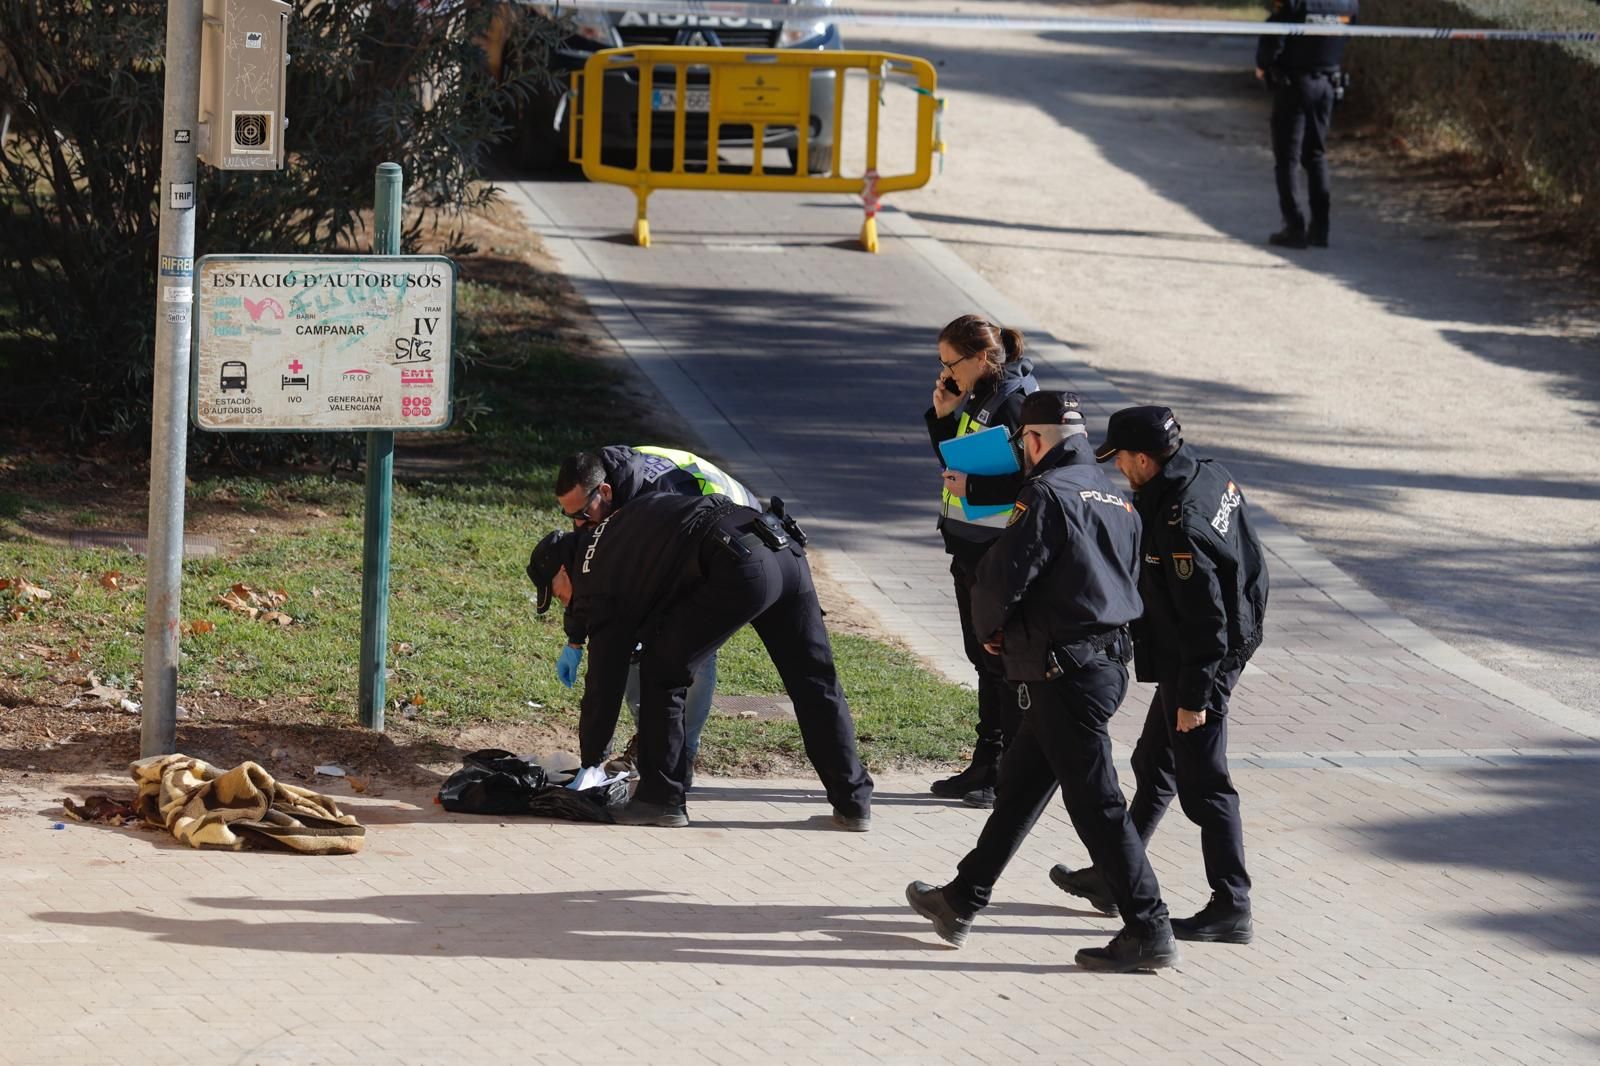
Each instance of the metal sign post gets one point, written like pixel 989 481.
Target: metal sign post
pixel 380 489
pixel 168 429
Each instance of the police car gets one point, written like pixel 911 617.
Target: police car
pixel 541 142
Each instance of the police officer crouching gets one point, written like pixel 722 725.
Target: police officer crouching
pixel 589 486
pixel 1204 585
pixel 1056 591
pixel 1305 78
pixel 679 575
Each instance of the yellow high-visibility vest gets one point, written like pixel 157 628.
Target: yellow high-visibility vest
pixel 712 478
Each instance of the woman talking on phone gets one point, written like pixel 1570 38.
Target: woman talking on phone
pixel 982 381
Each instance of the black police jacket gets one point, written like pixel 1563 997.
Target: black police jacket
pixel 994 401
pixel 631 474
pixel 1066 568
pixel 1300 55
pixel 625 572
pixel 1204 579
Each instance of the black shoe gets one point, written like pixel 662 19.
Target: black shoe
pixel 928 901
pixel 1086 883
pixel 852 823
pixel 1317 238
pixel 981 798
pixel 1130 950
pixel 637 812
pixel 1217 923
pixel 1289 237
pixel 982 773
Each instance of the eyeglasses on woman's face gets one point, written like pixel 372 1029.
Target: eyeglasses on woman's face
pixel 954 363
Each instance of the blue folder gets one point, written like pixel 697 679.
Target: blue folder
pixel 986 453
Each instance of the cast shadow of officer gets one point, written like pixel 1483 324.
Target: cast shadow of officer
pixel 631 925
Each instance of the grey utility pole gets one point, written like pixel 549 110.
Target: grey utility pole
pixel 170 414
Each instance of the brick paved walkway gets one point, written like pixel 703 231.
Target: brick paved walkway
pixel 1422 832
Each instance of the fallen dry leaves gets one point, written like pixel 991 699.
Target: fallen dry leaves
pixel 260 604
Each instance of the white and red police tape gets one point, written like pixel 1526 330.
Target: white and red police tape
pixel 804 12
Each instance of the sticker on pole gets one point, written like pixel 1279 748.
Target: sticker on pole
pixel 323 342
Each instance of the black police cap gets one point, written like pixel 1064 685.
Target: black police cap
pixel 1151 430
pixel 549 556
pixel 1049 408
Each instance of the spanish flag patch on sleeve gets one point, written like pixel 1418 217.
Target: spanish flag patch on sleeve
pixel 1017 510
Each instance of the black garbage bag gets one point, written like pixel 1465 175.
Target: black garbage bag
pixel 586 805
pixel 500 761
pixel 492 781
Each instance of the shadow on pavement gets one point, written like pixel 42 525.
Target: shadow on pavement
pixel 640 925
pixel 1544 829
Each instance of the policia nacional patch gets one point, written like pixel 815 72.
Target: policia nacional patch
pixel 1183 563
pixel 1016 513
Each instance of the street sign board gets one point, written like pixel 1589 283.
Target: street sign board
pixel 323 342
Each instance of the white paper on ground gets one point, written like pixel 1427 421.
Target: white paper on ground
pixel 592 776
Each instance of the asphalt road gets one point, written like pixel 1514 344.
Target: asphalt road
pixel 1417 401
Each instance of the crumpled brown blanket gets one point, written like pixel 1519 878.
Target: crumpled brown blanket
pixel 244 807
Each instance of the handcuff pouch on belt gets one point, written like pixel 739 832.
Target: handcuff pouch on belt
pixel 790 526
pixel 769 527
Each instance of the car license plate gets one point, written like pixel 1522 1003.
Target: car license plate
pixel 667 100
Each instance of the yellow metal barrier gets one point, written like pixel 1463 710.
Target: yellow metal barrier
pixel 761 96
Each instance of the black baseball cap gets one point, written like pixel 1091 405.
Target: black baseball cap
pixel 1049 408
pixel 1151 430
pixel 549 556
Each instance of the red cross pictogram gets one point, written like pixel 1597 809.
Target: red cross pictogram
pixel 296 366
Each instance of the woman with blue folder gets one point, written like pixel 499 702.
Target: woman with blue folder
pixel 982 381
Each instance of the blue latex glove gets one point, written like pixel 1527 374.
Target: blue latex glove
pixel 567 665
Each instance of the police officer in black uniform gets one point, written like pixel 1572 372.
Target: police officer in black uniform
pixel 1305 78
pixel 1056 592
pixel 589 486
pixel 983 380
pixel 1204 585
pixel 680 574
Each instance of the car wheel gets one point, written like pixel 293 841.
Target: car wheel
pixel 819 159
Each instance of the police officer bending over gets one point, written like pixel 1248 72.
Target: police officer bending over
pixel 589 486
pixel 680 575
pixel 1057 591
pixel 1204 583
pixel 1305 78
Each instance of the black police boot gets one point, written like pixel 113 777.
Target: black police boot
pixel 1290 236
pixel 638 812
pixel 981 798
pixel 928 901
pixel 1216 923
pixel 852 823
pixel 1317 236
pixel 1086 883
pixel 982 773
pixel 1132 950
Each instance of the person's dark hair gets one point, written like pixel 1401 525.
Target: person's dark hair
pixel 975 337
pixel 1165 455
pixel 581 469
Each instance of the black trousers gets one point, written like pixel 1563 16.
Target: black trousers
pixel 1063 740
pixel 1194 767
pixel 998 714
pixel 1301 112
pixel 772 591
